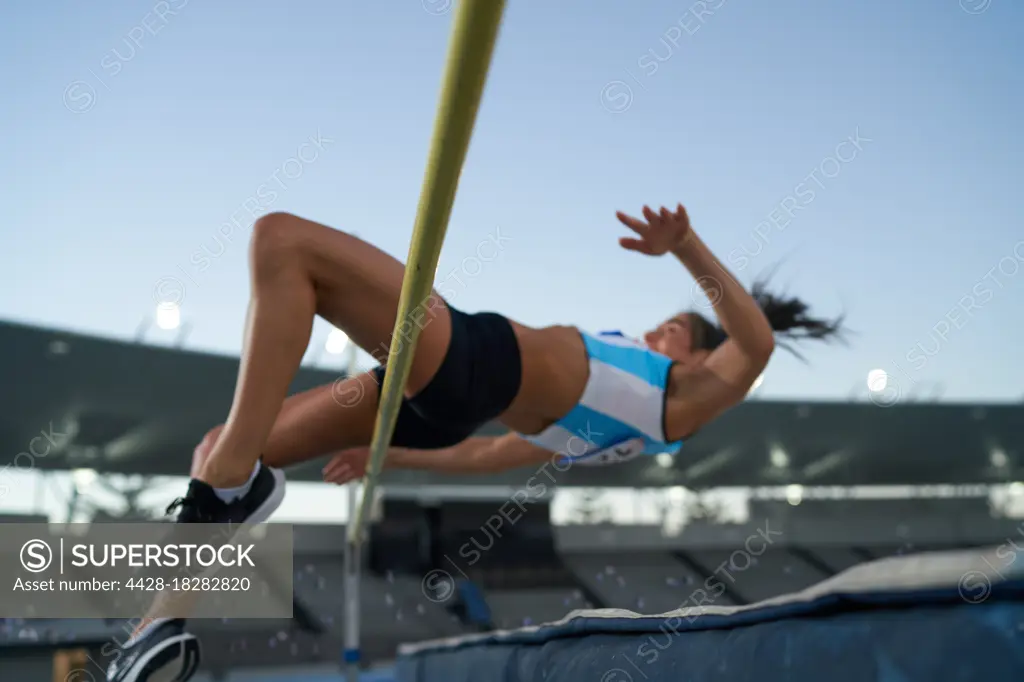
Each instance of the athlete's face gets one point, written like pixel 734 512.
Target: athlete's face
pixel 673 338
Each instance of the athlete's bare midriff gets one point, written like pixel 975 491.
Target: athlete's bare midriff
pixel 555 373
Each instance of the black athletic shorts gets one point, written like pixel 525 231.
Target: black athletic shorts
pixel 477 381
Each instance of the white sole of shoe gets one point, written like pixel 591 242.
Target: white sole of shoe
pixel 174 671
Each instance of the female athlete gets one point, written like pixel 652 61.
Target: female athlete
pixel 561 392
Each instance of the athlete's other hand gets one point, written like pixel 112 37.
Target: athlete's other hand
pixel 347 465
pixel 659 233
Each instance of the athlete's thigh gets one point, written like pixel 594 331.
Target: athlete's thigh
pixel 358 288
pixel 322 420
pixel 342 415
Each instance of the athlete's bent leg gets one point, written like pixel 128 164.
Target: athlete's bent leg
pixel 300 269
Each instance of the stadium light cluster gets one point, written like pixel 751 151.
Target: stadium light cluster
pixel 664 460
pixel 778 457
pixel 168 316
pixel 878 379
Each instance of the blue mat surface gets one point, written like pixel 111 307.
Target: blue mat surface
pixel 922 618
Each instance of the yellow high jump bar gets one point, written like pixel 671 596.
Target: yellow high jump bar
pixel 474 34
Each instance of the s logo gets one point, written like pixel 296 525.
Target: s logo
pixel 622 452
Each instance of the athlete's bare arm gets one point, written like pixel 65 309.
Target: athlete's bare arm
pixel 476 455
pixel 725 377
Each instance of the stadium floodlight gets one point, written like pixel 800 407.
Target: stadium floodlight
pixel 168 316
pixel 337 341
pixel 83 478
pixel 794 494
pixel 877 380
pixel 778 457
pixel 663 459
pixel 1016 489
pixel 998 458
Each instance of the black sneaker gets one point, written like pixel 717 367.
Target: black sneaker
pixel 219 521
pixel 166 654
pixel 201 504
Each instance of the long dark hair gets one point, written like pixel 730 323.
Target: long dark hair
pixel 788 316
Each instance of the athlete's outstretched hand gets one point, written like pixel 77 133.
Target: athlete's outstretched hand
pixel 347 465
pixel 659 233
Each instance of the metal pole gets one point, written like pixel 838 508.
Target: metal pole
pixel 353 563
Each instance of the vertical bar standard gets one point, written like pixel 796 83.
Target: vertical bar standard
pixel 353 567
pixel 353 562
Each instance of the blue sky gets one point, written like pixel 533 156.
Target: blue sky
pixel 869 147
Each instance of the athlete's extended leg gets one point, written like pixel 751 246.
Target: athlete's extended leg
pixel 299 269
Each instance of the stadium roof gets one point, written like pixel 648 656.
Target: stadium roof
pixel 139 409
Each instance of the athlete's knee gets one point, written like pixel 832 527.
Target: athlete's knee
pixel 274 236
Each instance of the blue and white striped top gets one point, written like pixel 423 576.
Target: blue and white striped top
pixel 622 411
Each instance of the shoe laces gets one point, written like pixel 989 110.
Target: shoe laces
pixel 187 509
